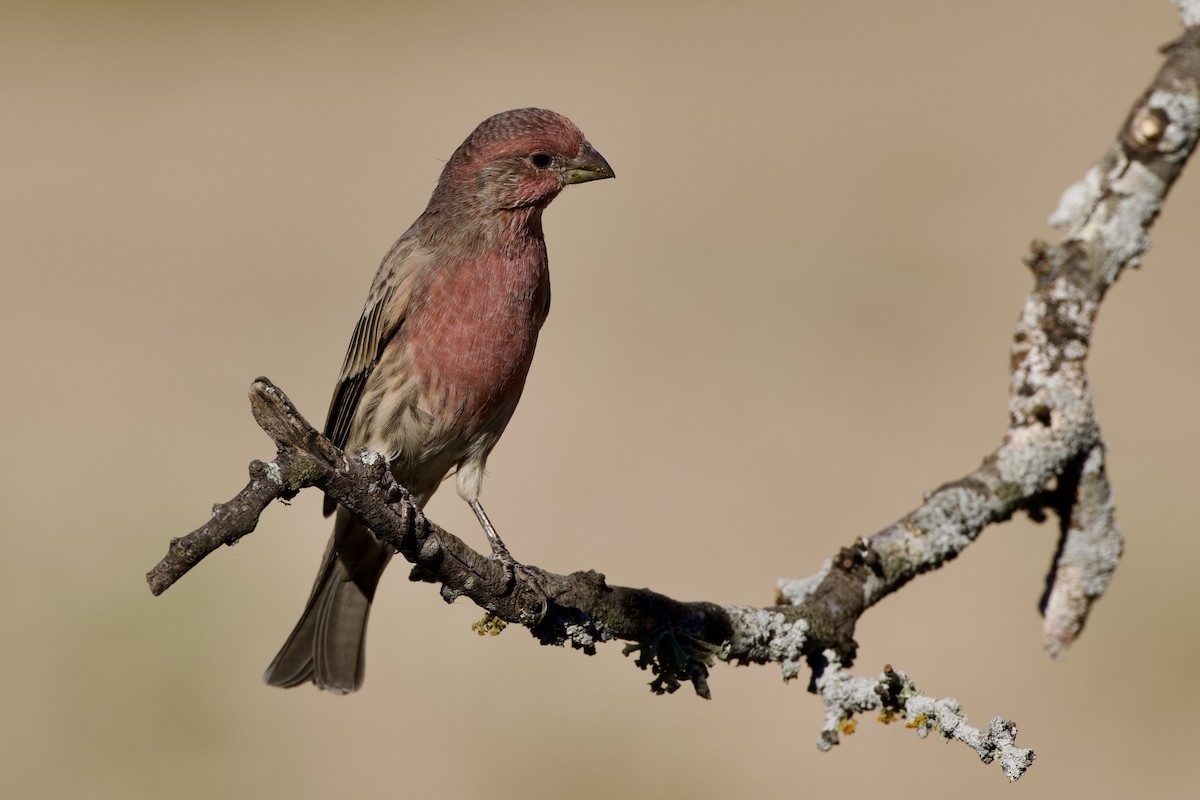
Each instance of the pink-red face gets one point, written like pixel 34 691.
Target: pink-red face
pixel 523 159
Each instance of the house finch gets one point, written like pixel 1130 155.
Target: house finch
pixel 438 360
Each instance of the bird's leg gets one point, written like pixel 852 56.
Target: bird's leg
pixel 499 550
pixel 500 553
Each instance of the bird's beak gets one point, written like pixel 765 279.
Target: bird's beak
pixel 587 166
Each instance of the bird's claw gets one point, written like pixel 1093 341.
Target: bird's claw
pixel 513 569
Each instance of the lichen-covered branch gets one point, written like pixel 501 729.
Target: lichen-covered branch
pixel 1051 460
pixel 896 699
pixel 1052 457
pixel 1088 551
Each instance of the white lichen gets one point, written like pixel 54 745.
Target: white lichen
pixel 1189 12
pixel 1077 201
pixel 762 636
pixel 795 591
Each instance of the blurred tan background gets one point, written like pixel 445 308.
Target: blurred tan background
pixel 786 318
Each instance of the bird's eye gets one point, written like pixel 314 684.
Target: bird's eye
pixel 541 160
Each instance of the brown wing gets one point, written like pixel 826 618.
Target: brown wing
pixel 382 319
pixel 375 327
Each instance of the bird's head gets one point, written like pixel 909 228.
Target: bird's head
pixel 517 160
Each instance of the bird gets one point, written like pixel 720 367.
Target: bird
pixel 438 360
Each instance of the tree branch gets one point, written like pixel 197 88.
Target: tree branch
pixel 1052 458
pixel 895 697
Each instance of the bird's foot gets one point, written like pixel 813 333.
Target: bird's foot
pixel 512 567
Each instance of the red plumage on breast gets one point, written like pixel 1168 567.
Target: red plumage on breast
pixel 473 334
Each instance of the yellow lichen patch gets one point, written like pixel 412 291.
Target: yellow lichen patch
pixel 489 626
